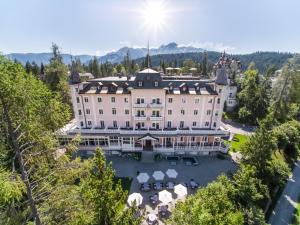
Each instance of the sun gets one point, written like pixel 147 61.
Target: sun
pixel 154 14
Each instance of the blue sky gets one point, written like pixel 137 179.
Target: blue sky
pixel 97 26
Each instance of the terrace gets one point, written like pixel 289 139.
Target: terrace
pixel 206 171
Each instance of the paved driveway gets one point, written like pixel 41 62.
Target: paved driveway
pixel 207 170
pixel 285 207
pixel 236 128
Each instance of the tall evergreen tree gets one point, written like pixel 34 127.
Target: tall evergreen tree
pixel 204 64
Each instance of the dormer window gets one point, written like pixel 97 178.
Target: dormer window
pixel 140 83
pixel 156 84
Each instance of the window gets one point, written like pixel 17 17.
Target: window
pixel 81 123
pixel 142 124
pixel 88 111
pixel 126 100
pixel 220 90
pixel 195 112
pixel 181 138
pixel 102 124
pixel 153 125
pixel 156 84
pixel 99 99
pixel 140 83
pixel 169 124
pixel 86 99
pixel 114 111
pixel 140 113
pixel 183 100
pixel 140 101
pixel 206 124
pixel 208 112
pixel 170 100
pixel 78 100
pixel 182 112
pixel 210 100
pixel 217 113
pixel 89 123
pixel 215 124
pixel 76 89
pixel 115 124
pixel 113 99
pixel 218 100
pixel 127 123
pixel 181 124
pixel 194 124
pixel 126 111
pixel 230 95
pixel 126 141
pixel 193 139
pixel 197 100
pixel 169 111
pixel 79 112
pixel 101 111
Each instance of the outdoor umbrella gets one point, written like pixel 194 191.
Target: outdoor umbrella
pixel 172 173
pixel 180 190
pixel 136 198
pixel 152 217
pixel 158 175
pixel 143 177
pixel 165 196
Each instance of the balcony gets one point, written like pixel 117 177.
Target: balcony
pixel 156 105
pixel 155 118
pixel 140 105
pixel 140 118
pixel 142 131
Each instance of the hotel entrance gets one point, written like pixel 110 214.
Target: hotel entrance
pixel 148 145
pixel 147 142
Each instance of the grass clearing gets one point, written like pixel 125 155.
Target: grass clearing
pixel 296 219
pixel 237 141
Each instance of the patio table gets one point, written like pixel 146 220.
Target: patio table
pixel 157 186
pixel 193 184
pixel 170 185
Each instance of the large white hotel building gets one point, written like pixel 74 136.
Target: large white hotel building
pixel 149 111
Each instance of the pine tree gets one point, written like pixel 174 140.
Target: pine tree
pixel 204 64
pixel 28 67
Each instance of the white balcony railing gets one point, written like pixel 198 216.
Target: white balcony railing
pixel 140 105
pixel 141 118
pixel 156 105
pixel 156 118
pixel 145 131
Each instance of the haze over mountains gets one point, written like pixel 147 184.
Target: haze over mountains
pixel 169 53
pixel 113 57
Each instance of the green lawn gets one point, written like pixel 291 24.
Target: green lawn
pixel 237 141
pixel 297 216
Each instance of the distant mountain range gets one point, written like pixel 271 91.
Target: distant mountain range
pixel 262 60
pixel 113 57
pixel 169 53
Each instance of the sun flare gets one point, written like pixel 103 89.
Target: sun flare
pixel 154 14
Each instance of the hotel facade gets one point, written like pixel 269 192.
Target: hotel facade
pixel 149 111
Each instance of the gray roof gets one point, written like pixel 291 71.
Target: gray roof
pixel 221 76
pixel 150 79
